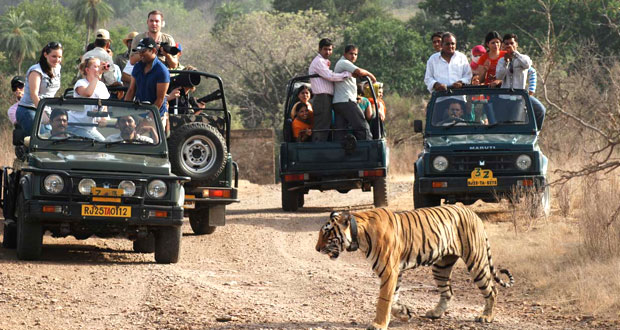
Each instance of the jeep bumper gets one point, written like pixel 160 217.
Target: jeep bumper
pixel 458 187
pixel 58 212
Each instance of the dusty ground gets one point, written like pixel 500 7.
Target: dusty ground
pixel 260 271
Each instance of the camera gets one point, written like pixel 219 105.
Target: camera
pixel 172 50
pixel 105 66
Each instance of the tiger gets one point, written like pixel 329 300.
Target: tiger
pixel 396 241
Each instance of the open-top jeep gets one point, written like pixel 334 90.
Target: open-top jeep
pixel 480 143
pixel 200 148
pixel 93 167
pixel 331 165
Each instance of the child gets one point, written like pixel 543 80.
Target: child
pixel 476 52
pixel 476 110
pixel 302 125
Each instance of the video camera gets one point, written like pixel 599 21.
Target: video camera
pixel 172 50
pixel 184 79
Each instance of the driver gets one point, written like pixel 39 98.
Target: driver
pixel 455 110
pixel 127 127
pixel 58 121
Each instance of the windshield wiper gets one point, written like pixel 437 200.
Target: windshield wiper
pixel 127 142
pixel 461 121
pixel 75 137
pixel 506 122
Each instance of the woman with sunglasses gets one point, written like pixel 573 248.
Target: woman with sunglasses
pixel 42 81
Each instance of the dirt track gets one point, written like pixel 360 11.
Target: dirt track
pixel 260 271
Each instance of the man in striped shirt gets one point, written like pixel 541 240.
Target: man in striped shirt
pixel 323 89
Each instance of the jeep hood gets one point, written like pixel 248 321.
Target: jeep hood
pixel 482 141
pixel 100 161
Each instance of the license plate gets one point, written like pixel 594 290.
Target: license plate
pixel 481 178
pixel 109 211
pixel 112 192
pixel 189 204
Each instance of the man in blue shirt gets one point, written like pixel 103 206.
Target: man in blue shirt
pixel 150 79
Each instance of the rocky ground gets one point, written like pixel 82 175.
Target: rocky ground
pixel 260 271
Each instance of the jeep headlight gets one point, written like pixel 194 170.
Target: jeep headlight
pixel 85 187
pixel 524 162
pixel 129 188
pixel 157 189
pixel 440 163
pixel 54 184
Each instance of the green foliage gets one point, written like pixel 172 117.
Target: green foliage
pixel 54 22
pixel 339 11
pixel 257 56
pixel 394 54
pixel 91 13
pixel 18 38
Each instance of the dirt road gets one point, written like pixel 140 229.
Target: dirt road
pixel 260 271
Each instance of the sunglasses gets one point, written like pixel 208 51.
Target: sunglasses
pixel 53 45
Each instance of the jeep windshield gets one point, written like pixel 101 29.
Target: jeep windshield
pixel 108 124
pixel 477 107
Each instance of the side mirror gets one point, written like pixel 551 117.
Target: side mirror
pixel 417 126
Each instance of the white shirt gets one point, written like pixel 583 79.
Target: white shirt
pixel 101 92
pixel 447 73
pixel 324 84
pixel 346 90
pixel 117 137
pixel 518 77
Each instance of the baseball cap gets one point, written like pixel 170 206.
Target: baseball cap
pixel 103 34
pixel 17 81
pixel 145 43
pixel 130 36
pixel 478 50
pixel 179 47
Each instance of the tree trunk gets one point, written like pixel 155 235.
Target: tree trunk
pixel 87 38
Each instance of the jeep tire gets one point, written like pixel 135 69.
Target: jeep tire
pixel 167 244
pixel 29 234
pixel 421 200
pixel 199 221
pixel 380 192
pixel 197 150
pixel 145 244
pixel 290 199
pixel 9 237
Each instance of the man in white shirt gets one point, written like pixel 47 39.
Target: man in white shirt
pixel 448 68
pixel 513 69
pixel 345 96
pixel 323 89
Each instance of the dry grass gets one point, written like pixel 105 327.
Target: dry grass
pixel 7 151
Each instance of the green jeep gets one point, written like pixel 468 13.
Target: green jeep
pixel 480 143
pixel 200 148
pixel 331 165
pixel 93 167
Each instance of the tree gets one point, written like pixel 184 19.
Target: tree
pixel 91 12
pixel 340 12
pixel 394 54
pixel 260 53
pixel 18 38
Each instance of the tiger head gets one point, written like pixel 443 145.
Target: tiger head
pixel 336 235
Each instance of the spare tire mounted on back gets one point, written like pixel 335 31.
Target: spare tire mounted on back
pixel 197 150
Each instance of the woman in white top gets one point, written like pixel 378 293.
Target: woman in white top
pixel 90 86
pixel 42 81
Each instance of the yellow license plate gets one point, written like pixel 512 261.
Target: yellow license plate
pixel 481 178
pixel 189 204
pixel 108 211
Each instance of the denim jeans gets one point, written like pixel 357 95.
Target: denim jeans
pixel 539 111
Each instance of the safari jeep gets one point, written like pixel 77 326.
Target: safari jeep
pixel 199 145
pixel 331 165
pixel 93 167
pixel 479 143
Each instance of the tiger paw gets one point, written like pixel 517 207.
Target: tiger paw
pixel 484 318
pixel 434 313
pixel 402 312
pixel 375 327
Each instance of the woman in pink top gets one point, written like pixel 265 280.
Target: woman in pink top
pixel 488 61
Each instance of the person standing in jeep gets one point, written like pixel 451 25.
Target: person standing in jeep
pixel 150 79
pixel 323 88
pixel 448 68
pixel 155 22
